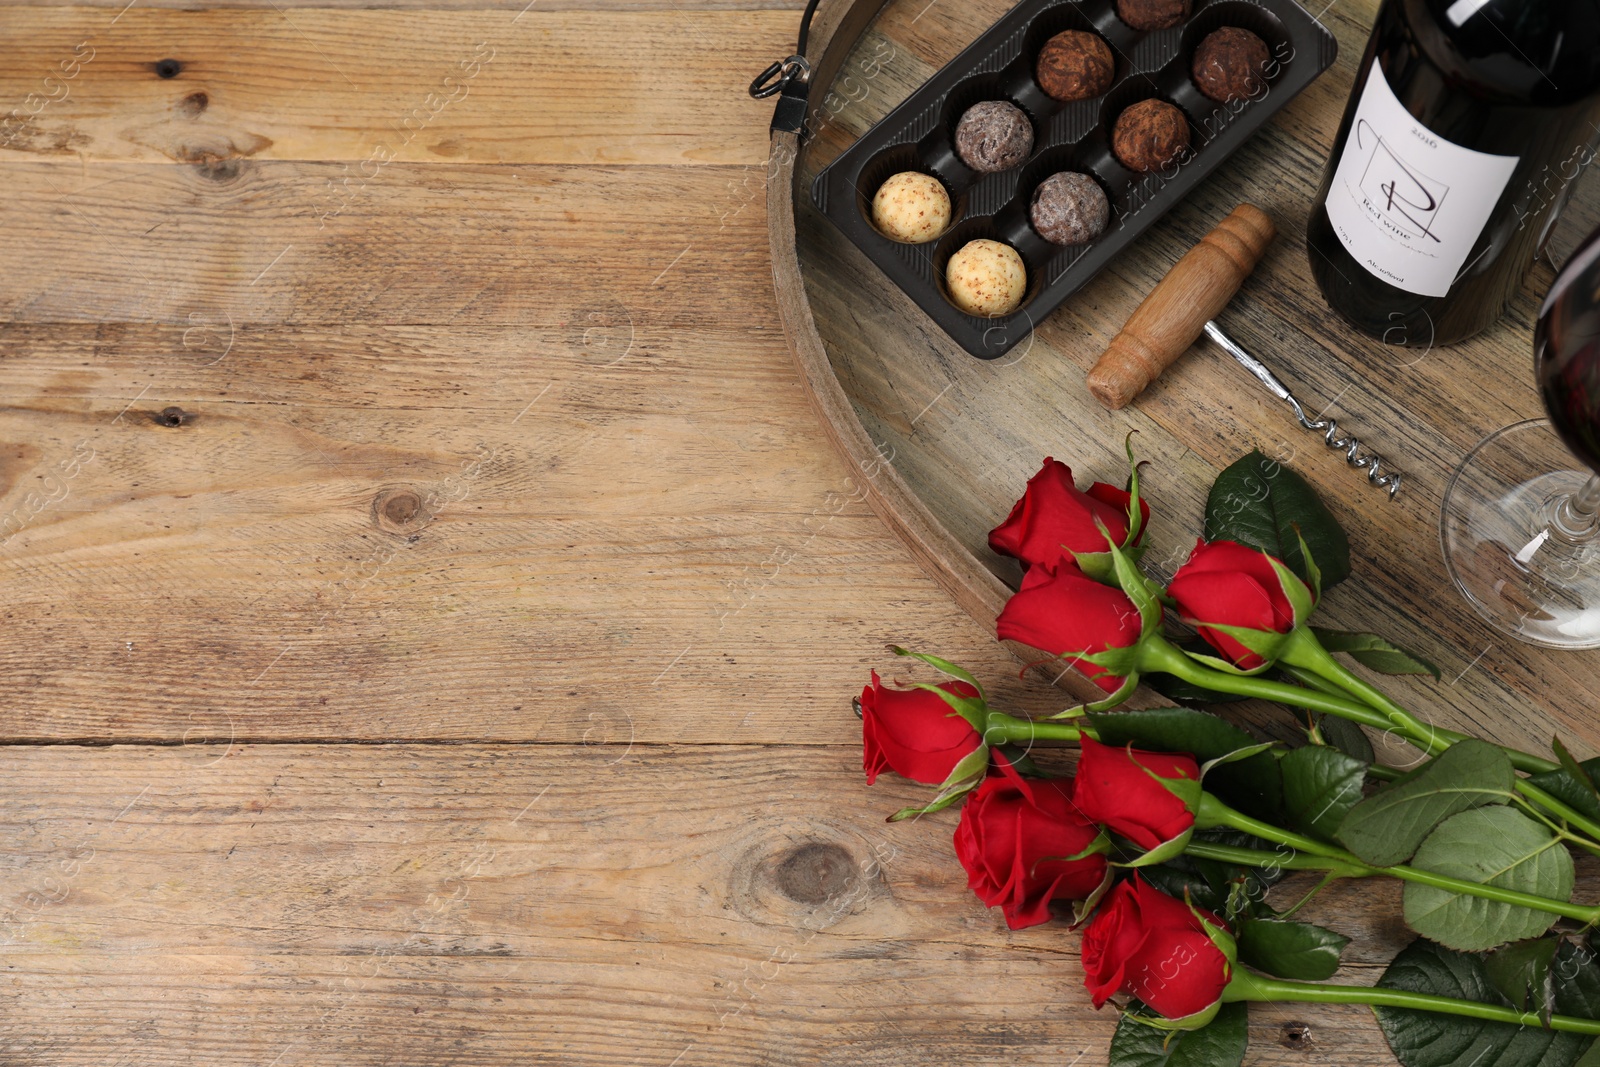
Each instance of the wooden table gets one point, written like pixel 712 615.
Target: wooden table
pixel 432 605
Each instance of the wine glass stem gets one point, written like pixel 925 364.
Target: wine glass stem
pixel 1578 516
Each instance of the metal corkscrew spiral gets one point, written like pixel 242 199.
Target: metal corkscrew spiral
pixel 1372 463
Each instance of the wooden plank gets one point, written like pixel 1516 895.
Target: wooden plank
pixel 510 7
pixel 966 434
pixel 370 87
pixel 721 547
pixel 265 242
pixel 587 905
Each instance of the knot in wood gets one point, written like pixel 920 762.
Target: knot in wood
pixel 168 68
pixel 1296 1036
pixel 399 509
pixel 815 873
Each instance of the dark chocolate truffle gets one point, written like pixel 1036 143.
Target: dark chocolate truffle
pixel 1149 135
pixel 1228 64
pixel 993 136
pixel 1074 65
pixel 1069 209
pixel 1152 14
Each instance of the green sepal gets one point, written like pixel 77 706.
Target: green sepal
pixel 1217 663
pixel 1313 572
pixel 1097 565
pixel 1130 682
pixel 972 709
pixel 1188 1022
pixel 1101 845
pixel 1142 591
pixel 942 665
pixel 1082 909
pixel 964 777
pixel 1302 602
pixel 1135 512
pixel 1265 643
pixel 1236 755
pixel 1163 852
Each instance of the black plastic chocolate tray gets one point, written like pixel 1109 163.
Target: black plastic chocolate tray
pixel 919 135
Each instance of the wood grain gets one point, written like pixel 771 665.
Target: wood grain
pixel 366 87
pixel 486 470
pixel 592 905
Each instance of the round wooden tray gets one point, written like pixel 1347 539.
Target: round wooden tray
pixel 944 443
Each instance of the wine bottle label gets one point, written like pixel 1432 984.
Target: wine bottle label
pixel 1408 204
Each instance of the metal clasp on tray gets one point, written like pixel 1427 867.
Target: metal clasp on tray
pixel 776 78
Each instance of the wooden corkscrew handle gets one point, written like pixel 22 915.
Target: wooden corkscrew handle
pixel 1170 319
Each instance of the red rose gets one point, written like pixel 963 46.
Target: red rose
pixel 1229 584
pixel 1061 610
pixel 1146 944
pixel 1115 788
pixel 1013 839
pixel 1055 518
pixel 914 732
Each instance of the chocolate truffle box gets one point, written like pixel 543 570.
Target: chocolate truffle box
pixel 1041 59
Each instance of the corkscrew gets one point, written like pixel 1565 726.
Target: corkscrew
pixel 1182 306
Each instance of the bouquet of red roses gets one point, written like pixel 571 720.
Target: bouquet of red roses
pixel 1164 845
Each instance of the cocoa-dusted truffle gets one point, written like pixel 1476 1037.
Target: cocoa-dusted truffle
pixel 993 136
pixel 1074 65
pixel 1228 64
pixel 1152 14
pixel 1069 209
pixel 1149 135
pixel 986 278
pixel 911 207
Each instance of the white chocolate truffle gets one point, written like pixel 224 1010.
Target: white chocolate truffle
pixel 911 207
pixel 986 278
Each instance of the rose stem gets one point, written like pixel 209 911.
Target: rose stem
pixel 1215 813
pixel 1303 650
pixel 1252 987
pixel 1011 728
pixel 1332 671
pixel 1162 656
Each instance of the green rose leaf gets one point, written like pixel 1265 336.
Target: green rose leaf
pixel 1252 785
pixel 1320 786
pixel 1379 653
pixel 1347 737
pixel 1290 949
pixel 1175 882
pixel 1520 972
pixel 1220 1043
pixel 1569 787
pixel 1429 1039
pixel 1497 846
pixel 1260 503
pixel 1548 975
pixel 1386 828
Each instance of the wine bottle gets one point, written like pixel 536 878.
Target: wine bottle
pixel 1467 124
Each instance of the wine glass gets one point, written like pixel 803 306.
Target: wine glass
pixel 1521 525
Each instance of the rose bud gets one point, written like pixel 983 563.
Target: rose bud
pixel 1124 790
pixel 913 732
pixel 1063 611
pixel 1016 839
pixel 1228 584
pixel 1055 518
pixel 1146 944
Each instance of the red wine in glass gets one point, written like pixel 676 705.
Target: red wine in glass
pixel 1521 521
pixel 1566 346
